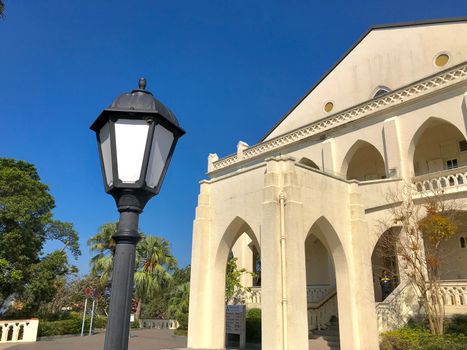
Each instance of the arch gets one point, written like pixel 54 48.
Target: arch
pixel 308 162
pixel 363 162
pixel 234 230
pixel 435 143
pixel 384 258
pixel 324 231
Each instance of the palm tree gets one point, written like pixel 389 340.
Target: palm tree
pixel 154 261
pixel 2 9
pixel 104 245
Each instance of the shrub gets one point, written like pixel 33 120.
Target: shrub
pixel 457 325
pixel 72 325
pixel 412 338
pixel 253 326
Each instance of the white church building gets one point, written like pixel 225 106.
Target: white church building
pixel 308 199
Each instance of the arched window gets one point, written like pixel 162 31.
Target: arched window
pixel 308 162
pixel 380 91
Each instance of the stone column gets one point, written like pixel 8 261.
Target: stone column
pixel 281 177
pixel 328 156
pixel 396 165
pixel 360 273
pixel 203 316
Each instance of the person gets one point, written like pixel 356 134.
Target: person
pixel 385 282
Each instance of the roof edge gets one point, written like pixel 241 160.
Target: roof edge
pixel 346 53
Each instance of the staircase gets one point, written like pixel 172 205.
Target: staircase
pixel 325 339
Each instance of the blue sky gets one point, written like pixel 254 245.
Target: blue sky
pixel 228 69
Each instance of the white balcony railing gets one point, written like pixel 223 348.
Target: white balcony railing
pixel 454 296
pixel 441 180
pixel 314 294
pixel 158 324
pixel 16 331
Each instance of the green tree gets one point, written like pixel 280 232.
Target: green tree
pixel 2 9
pixel 25 224
pixel 154 261
pixel 103 244
pixel 234 290
pixel 179 296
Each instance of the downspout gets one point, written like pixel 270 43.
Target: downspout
pixel 283 270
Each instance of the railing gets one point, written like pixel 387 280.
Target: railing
pixel 403 303
pixel 398 307
pixel 18 331
pixel 253 297
pixel 415 90
pixel 316 292
pixel 320 313
pixel 158 324
pixel 441 180
pixel 454 296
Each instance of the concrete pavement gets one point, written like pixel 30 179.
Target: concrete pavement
pixel 144 339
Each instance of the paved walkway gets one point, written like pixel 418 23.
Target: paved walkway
pixel 145 339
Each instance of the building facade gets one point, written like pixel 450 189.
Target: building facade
pixel 308 200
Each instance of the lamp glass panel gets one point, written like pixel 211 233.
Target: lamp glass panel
pixel 130 140
pixel 104 138
pixel 160 148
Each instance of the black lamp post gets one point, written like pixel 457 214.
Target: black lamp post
pixel 136 137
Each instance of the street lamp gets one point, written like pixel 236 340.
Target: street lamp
pixel 136 138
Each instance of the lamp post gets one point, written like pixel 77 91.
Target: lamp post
pixel 136 138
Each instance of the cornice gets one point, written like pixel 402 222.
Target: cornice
pixel 438 81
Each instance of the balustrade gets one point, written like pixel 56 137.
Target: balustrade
pixel 158 324
pixel 316 292
pixel 440 180
pixel 454 295
pixel 403 303
pixel 320 313
pixel 18 331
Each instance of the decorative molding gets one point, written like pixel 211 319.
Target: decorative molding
pixel 408 93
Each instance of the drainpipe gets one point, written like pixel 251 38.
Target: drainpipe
pixel 283 270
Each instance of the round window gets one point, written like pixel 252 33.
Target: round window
pixel 328 107
pixel 441 60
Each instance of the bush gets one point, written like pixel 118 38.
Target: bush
pixel 411 338
pixel 72 325
pixel 457 325
pixel 253 326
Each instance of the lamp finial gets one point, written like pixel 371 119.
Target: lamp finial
pixel 142 83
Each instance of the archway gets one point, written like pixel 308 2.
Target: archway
pixel 239 245
pixel 327 283
pixel 363 162
pixel 436 146
pixel 384 261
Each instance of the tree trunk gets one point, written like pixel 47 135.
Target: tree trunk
pixel 138 309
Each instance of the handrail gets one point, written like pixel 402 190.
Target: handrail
pixel 328 296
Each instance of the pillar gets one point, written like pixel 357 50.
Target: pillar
pixel 204 316
pixel 281 177
pixel 360 272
